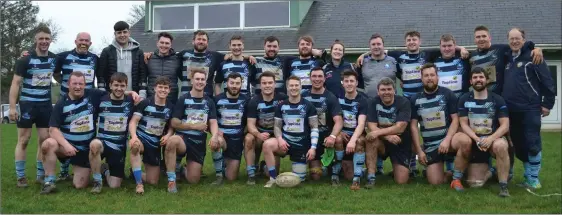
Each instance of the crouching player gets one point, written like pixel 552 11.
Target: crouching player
pixel 149 129
pixel 296 132
pixel 484 122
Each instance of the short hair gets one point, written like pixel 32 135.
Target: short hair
pixel 119 77
pixel 481 28
pixel 306 38
pixel 375 36
pixel 162 80
pixel 166 35
pixel 193 71
pixel 200 33
pixel 293 77
pixel 316 68
pixel 349 72
pixel 518 29
pixel 478 70
pixel 270 39
pixel 267 74
pixel 236 37
pixel 77 74
pixel 337 42
pixel 412 34
pixel 42 28
pixel 427 66
pixel 120 26
pixel 233 75
pixel 385 81
pixel 447 38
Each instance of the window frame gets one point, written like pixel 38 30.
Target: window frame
pixel 196 6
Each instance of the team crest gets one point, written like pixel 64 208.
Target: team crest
pixel 459 66
pixel 386 66
pixel 519 64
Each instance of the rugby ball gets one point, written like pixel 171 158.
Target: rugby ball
pixel 287 179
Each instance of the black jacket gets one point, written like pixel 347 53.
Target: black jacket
pixel 108 66
pixel 169 66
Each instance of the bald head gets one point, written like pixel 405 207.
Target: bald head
pixel 516 38
pixel 83 42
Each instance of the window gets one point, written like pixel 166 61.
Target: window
pixel 266 14
pixel 219 16
pixel 174 18
pixel 554 74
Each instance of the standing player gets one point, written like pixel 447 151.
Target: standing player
pixel 231 117
pixel 302 65
pixel 388 121
pixel 352 138
pixel 329 118
pixel 261 113
pixel 149 129
pixel 484 122
pixel 236 64
pixel 192 114
pixel 453 71
pixel 115 111
pixel 72 128
pixel 270 62
pixel 33 73
pixel 296 132
pixel 436 111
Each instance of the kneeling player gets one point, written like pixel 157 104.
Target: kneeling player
pixel 231 118
pixel 352 138
pixel 146 128
pixel 436 111
pixel 111 143
pixel 261 113
pixel 296 132
pixel 484 122
pixel 388 121
pixel 192 113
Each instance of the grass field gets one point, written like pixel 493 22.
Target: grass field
pixel 311 197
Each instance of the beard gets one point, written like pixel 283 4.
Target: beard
pixel 305 53
pixel 479 87
pixel 233 92
pixel 430 88
pixel 196 47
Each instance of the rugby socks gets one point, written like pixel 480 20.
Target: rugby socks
pixel 20 169
pixel 336 168
pixel 251 169
pixel 97 177
pixel 217 163
pixel 457 174
pixel 358 162
pixel 535 167
pixel 64 166
pixel 503 184
pixel 449 165
pixel 272 172
pixel 40 170
pixel 50 179
pixel 171 176
pixel 527 168
pixel 371 177
pixel 300 169
pixel 380 163
pixel 137 173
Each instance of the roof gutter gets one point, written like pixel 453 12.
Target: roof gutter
pixel 363 50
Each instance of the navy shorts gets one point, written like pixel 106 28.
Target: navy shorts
pixel 234 147
pixel 525 131
pixel 151 154
pixel 82 157
pixel 37 113
pixel 320 146
pixel 195 147
pixel 401 153
pixel 435 157
pixel 114 155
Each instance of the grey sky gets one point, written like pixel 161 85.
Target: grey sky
pixel 95 17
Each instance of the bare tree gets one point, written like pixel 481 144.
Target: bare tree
pixel 135 13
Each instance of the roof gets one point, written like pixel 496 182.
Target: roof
pixel 354 23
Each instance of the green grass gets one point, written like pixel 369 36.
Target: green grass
pixel 311 197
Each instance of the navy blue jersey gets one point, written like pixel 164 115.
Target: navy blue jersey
pixel 492 60
pixel 76 119
pixel 208 61
pixel 36 72
pixel 241 67
pixel 274 65
pixel 483 114
pixel 301 68
pixel 264 111
pixel 388 115
pixel 113 124
pixel 351 109
pixel 296 128
pixel 454 73
pixel 433 112
pixel 154 120
pixel 72 61
pixel 231 114
pixel 193 110
pixel 327 106
pixel 408 69
pixel 334 80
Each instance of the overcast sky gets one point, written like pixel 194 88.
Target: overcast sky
pixel 95 17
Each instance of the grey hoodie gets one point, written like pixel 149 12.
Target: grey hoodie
pixel 125 59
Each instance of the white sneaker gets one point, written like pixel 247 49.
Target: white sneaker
pixel 270 183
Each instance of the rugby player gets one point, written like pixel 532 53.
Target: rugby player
pixel 237 64
pixel 302 65
pixel 453 71
pixel 149 129
pixel 296 132
pixel 330 121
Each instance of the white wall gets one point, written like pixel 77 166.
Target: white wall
pixel 554 120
